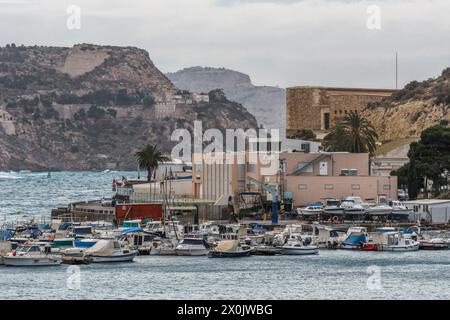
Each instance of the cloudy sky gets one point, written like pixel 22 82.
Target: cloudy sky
pixel 284 42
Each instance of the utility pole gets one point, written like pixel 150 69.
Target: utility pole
pixel 396 70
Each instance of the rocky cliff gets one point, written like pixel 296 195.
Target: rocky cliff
pixel 411 110
pixel 91 107
pixel 266 103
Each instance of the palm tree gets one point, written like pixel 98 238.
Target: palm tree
pixel 149 158
pixel 354 133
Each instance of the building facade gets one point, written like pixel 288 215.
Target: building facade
pixel 315 177
pixel 319 108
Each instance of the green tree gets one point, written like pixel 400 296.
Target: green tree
pixel 354 133
pixel 431 155
pixel 413 178
pixel 149 158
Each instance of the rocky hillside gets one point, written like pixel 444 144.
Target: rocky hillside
pixel 411 110
pixel 91 107
pixel 266 103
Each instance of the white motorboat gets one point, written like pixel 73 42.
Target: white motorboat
pixel 333 208
pixel 377 210
pixel 297 246
pixel 353 207
pixel 192 247
pixel 31 255
pixel 163 248
pixel 312 210
pixel 397 242
pixel 109 251
pixel 399 211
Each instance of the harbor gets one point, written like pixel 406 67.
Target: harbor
pixel 343 273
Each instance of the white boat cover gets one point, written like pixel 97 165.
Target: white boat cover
pixel 102 248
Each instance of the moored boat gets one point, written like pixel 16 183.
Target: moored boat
pixel 230 249
pixel 31 255
pixel 110 251
pixel 192 247
pixel 397 242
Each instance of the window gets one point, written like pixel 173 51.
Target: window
pixel 306 147
pixel 387 187
pixel 302 187
pixel 329 187
pixel 356 187
pixel 251 167
pixel 353 172
pixel 345 172
pixel 198 167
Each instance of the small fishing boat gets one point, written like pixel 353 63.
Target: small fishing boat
pixel 31 255
pixel 399 211
pixel 76 255
pixel 312 210
pixel 192 247
pixel 298 246
pixel 230 249
pixel 433 244
pixel 380 210
pixel 110 251
pixel 163 247
pixel 397 242
pixel 264 250
pixel 356 238
pixel 353 208
pixel 333 208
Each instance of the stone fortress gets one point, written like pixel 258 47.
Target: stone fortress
pixel 319 108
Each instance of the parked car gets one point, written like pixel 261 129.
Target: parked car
pixel 106 202
pixel 402 194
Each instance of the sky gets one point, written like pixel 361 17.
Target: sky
pixel 344 43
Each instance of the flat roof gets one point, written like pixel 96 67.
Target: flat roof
pixel 427 201
pixel 345 89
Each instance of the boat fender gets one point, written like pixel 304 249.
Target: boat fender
pixel 335 219
pixel 14 253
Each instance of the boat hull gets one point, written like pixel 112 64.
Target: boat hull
pixel 128 257
pixel 414 247
pixel 31 261
pixel 217 254
pixel 298 251
pixel 191 252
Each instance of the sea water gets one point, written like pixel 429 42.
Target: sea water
pixel 333 274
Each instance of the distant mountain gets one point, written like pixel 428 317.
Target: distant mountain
pixel 92 107
pixel 411 110
pixel 266 103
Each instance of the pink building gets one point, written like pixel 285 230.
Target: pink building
pixel 311 177
pixel 314 177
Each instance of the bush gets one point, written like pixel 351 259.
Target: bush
pixel 148 101
pixel 112 113
pixel 80 115
pixel 96 112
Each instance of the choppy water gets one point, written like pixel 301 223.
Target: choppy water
pixel 330 275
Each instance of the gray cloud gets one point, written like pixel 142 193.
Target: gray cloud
pixel 308 42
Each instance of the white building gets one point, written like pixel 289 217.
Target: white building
pixel 431 210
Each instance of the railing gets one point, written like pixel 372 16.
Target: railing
pixel 172 199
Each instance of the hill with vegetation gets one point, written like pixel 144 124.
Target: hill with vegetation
pixel 92 107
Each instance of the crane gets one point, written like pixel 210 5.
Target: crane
pixel 275 196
